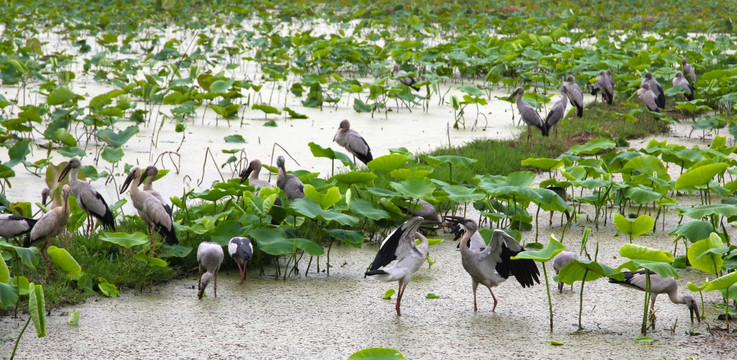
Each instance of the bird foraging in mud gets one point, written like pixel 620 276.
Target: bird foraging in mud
pixel 209 256
pixel 352 141
pixel 528 113
pixel 400 245
pixel 88 199
pixel 241 250
pixel 492 265
pixel 659 285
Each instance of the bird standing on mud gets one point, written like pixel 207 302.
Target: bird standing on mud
pixel 241 250
pixel 605 85
pixel 656 89
pixel 400 245
pixel 659 285
pixel 529 114
pixel 352 141
pixel 491 265
pixel 561 260
pixel 557 112
pixel 88 198
pixel 209 256
pixel 401 75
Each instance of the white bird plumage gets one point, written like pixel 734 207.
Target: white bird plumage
pixel 400 246
pixel 210 257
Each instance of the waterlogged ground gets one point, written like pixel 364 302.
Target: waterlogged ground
pixel 323 317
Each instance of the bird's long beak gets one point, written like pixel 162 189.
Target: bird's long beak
pixel 245 173
pixel 695 310
pixel 439 225
pixel 126 183
pixel 452 219
pixel 64 172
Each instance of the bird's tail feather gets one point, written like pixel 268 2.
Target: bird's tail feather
pixel 580 111
pixel 365 158
pixel 415 88
pixel 376 272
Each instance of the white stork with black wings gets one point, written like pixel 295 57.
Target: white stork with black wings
pixel 492 265
pixel 400 246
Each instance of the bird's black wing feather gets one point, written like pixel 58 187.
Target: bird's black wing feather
pixel 365 157
pixel 244 251
pixel 524 270
pixel 387 252
pixel 107 219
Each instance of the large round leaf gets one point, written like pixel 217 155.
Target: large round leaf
pixel 694 230
pixel 387 162
pixel 415 188
pixel 641 226
pixel 125 240
pixel 706 255
pixel 575 270
pixel 543 255
pixel 699 176
pixel 638 252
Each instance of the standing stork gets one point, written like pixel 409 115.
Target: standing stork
pixel 688 70
pixel 403 78
pixel 50 225
pixel 290 184
pixel 88 198
pixel 557 112
pixel 528 113
pixel 679 80
pixel 251 173
pixel 561 260
pixel 400 245
pixel 241 250
pixel 149 175
pixel 655 88
pixel 604 84
pixel 12 225
pixel 492 265
pixel 352 141
pixel 209 256
pixel 575 96
pixel 648 97
pixel 659 285
pixel 150 209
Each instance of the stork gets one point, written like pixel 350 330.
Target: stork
pixel 604 84
pixel 12 225
pixel 561 260
pixel 209 256
pixel 150 209
pixel 88 198
pixel 557 112
pixel 50 225
pixel 400 245
pixel 575 96
pixel 688 71
pixel 492 265
pixel 290 184
pixel 529 114
pixel 659 285
pixel 352 141
pixel 648 97
pixel 656 89
pixel 148 177
pixel 401 75
pixel 241 250
pixel 251 173
pixel 679 80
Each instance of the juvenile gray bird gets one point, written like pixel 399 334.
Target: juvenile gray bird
pixel 251 173
pixel 210 257
pixel 656 89
pixel 575 96
pixel 561 260
pixel 528 113
pixel 688 71
pixel 352 141
pixel 403 79
pixel 290 184
pixel 88 199
pixel 557 112
pixel 679 80
pixel 50 225
pixel 604 85
pixel 648 97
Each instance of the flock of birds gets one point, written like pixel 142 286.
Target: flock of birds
pixel 399 256
pixel 650 93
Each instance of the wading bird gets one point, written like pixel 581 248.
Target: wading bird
pixel 648 97
pixel 679 80
pixel 12 225
pixel 209 256
pixel 290 184
pixel 492 265
pixel 688 71
pixel 352 141
pixel 659 285
pixel 604 84
pixel 149 175
pixel 88 198
pixel 50 225
pixel 528 113
pixel 561 260
pixel 403 78
pixel 656 89
pixel 575 96
pixel 241 250
pixel 150 209
pixel 557 112
pixel 251 173
pixel 400 245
